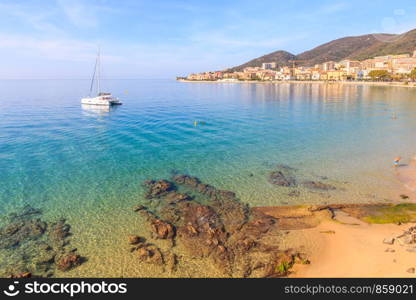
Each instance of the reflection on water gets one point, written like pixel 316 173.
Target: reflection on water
pixel 100 110
pixel 87 163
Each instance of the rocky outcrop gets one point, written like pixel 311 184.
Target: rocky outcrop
pixel 36 247
pixel 212 224
pixel 162 230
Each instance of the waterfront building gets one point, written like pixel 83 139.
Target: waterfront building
pixel 328 66
pixel 269 66
pixel 336 75
pixel 397 65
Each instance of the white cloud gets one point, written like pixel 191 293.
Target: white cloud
pixel 51 49
pixel 332 8
pixel 85 14
pixel 79 14
pixel 25 14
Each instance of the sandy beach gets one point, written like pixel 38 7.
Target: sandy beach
pixel 354 249
pixel 338 244
pixel 354 241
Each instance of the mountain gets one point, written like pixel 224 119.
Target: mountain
pixel 339 49
pixel 280 57
pixel 395 44
pixel 353 47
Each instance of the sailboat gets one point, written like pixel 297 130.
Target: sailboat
pixel 105 99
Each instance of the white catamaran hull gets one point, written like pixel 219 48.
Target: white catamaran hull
pixel 99 101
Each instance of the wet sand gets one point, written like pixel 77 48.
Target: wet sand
pixel 343 250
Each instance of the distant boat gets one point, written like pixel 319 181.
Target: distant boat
pixel 105 99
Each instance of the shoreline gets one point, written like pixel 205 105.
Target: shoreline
pixel 214 227
pixel 391 84
pixel 339 241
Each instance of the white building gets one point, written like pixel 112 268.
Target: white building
pixel 269 66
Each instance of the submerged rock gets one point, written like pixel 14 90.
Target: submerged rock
pixel 280 179
pixel 21 275
pixel 157 188
pixel 139 208
pixel 212 224
pixel 175 197
pixel 58 232
pixel 68 261
pixel 294 194
pixel 34 246
pixel 162 230
pixel 18 232
pixel 134 239
pixel 150 254
pixel 186 180
pixel 317 185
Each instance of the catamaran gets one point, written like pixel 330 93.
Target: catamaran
pixel 102 98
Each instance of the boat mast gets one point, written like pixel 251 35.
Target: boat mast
pixel 93 76
pixel 99 73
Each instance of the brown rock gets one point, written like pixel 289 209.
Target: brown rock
pixel 59 230
pixel 150 254
pixel 280 179
pixel 186 180
pixel 162 229
pixel 175 197
pixel 191 230
pixel 157 188
pixel 134 239
pixel 22 275
pixel 68 261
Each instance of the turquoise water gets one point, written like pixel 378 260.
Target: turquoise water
pixel 88 164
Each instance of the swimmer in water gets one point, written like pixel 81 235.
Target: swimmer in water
pixel 397 161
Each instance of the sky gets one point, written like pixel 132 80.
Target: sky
pixel 168 38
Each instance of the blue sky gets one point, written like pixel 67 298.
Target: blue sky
pixel 162 39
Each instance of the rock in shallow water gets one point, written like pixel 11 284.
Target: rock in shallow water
pixel 317 185
pixel 34 245
pixel 157 188
pixel 162 230
pixel 150 254
pixel 212 224
pixel 68 261
pixel 134 239
pixel 280 179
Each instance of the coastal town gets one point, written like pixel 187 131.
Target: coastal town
pixel 381 68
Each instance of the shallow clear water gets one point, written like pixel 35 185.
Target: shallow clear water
pixel 88 164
